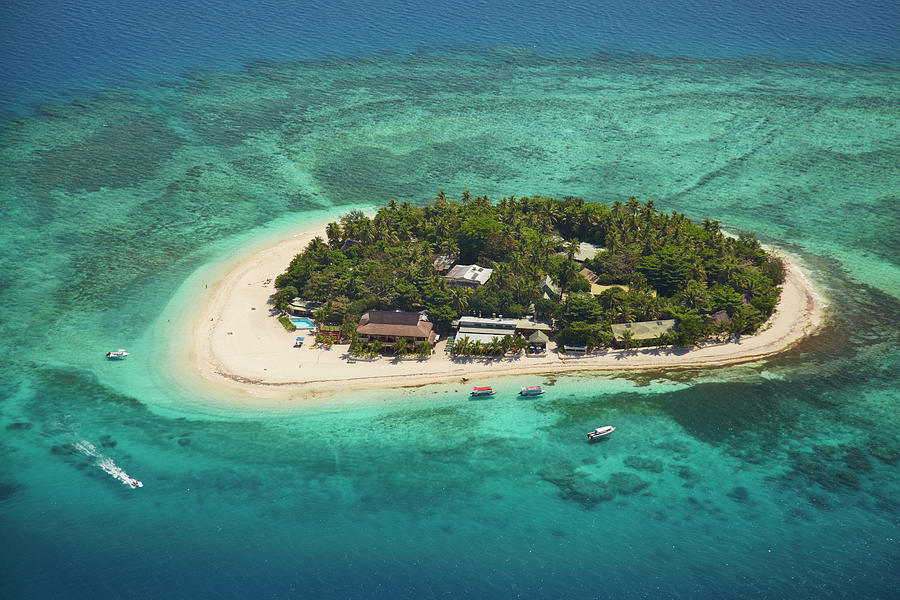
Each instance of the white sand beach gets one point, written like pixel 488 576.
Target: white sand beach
pixel 238 344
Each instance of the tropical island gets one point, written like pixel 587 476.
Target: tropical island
pixel 456 290
pixel 590 275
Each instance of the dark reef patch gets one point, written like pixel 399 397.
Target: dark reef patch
pixel 626 483
pixel 856 459
pixel 830 478
pixel 641 463
pixel 739 494
pixel 122 153
pixel 884 450
pixel 8 489
pixel 20 426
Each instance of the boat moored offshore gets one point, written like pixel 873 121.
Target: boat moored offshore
pixel 531 390
pixel 483 391
pixel 117 354
pixel 600 433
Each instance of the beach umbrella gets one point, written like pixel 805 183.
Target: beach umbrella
pixel 300 339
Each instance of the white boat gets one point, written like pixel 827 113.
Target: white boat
pixel 531 390
pixel 116 354
pixel 600 432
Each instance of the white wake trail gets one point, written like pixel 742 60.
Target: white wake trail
pixel 106 463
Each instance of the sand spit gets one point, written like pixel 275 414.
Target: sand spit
pixel 237 344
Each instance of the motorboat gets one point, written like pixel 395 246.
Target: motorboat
pixel 532 390
pixel 483 391
pixel 601 432
pixel 117 354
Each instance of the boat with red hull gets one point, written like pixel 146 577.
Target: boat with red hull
pixel 483 391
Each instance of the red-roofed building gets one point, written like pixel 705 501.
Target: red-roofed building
pixel 386 326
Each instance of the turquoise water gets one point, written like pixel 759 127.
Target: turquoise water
pixel 122 205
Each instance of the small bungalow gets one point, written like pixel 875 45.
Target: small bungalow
pixel 643 330
pixel 468 276
pixel 386 326
pixel 442 262
pixel 551 290
pixel 537 342
pixel 589 275
pixel 302 308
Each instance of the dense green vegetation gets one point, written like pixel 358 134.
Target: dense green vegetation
pixel 286 323
pixel 672 267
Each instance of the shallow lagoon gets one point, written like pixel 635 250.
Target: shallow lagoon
pixel 728 483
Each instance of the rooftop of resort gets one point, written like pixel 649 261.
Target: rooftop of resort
pixel 470 275
pixel 588 274
pixel 550 289
pixel 301 307
pixel 389 325
pixel 587 251
pixel 483 329
pixel 531 324
pixel 597 289
pixel 442 262
pixel 643 330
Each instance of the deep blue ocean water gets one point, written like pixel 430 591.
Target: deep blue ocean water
pixel 145 146
pixel 53 49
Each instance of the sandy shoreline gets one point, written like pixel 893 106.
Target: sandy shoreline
pixel 237 345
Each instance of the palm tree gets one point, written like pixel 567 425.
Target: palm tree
pixel 572 248
pixel 401 346
pixel 519 343
pixel 460 299
pixel 462 346
pixel 333 231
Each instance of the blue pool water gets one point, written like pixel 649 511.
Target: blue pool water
pixel 302 323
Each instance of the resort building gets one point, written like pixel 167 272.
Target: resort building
pixel 386 326
pixel 468 276
pixel 530 325
pixel 596 288
pixel 442 263
pixel 479 329
pixel 589 275
pixel 537 342
pixel 643 330
pixel 587 252
pixel 302 308
pixel 551 290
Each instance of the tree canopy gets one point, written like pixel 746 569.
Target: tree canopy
pixel 666 265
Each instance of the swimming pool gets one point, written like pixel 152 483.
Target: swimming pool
pixel 302 323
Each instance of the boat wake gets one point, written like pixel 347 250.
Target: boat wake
pixel 106 463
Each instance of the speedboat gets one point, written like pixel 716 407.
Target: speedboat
pixel 483 391
pixel 601 432
pixel 116 354
pixel 531 390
